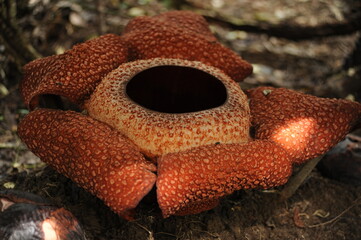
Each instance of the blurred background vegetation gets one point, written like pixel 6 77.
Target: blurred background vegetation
pixel 312 46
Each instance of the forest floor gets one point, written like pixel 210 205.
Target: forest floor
pixel 322 208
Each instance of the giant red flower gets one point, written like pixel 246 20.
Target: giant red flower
pixel 161 107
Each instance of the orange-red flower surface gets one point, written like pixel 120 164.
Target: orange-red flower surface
pixel 161 108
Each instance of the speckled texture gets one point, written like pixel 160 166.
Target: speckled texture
pixel 91 154
pixel 192 181
pixel 159 133
pixel 186 20
pixel 306 126
pixel 203 155
pixel 75 73
pixel 183 35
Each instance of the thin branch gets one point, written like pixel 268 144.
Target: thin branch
pixel 290 32
pixel 295 182
pixel 355 203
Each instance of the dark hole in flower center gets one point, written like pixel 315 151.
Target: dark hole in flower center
pixel 176 89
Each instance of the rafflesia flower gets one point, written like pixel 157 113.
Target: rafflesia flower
pixel 161 108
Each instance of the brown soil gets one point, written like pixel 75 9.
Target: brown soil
pixel 320 209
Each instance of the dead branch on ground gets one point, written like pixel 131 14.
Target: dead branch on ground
pixel 291 32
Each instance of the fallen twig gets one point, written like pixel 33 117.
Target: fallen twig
pixel 11 145
pixel 298 179
pixel 355 203
pixel 287 31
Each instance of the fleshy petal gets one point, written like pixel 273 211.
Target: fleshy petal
pixel 306 126
pixel 91 154
pixel 183 35
pixel 185 19
pixel 75 73
pixel 192 181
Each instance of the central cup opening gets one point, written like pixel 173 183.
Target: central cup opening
pixel 176 89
